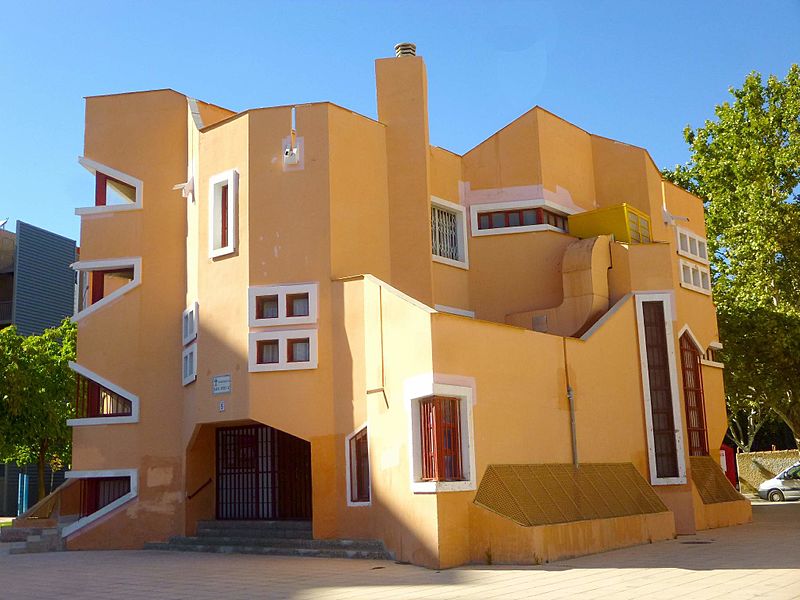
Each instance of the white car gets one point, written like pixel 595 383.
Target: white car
pixel 784 486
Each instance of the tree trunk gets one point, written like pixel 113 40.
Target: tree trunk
pixel 40 467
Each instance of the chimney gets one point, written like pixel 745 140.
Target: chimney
pixel 405 49
pixel 403 107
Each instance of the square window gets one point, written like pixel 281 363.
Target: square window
pixel 189 324
pixel 529 217
pixel 189 364
pixel 268 352
pixel 513 219
pixel 284 304
pixel 298 350
pixel 297 305
pixel 282 350
pixel 267 307
pixel 498 220
pixel 449 232
pixel 483 222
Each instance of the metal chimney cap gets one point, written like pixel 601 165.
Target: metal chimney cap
pixel 405 49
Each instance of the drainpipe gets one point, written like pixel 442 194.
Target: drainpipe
pixel 571 398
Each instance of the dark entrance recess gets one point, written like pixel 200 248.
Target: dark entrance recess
pixel 262 473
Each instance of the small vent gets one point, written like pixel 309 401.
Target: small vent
pixel 405 49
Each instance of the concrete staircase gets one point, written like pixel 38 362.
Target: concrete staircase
pixel 281 538
pixel 30 540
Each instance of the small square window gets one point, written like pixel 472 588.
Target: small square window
pixel 189 324
pixel 267 307
pixel 268 352
pixel 297 305
pixel 483 222
pixel 298 350
pixel 529 217
pixel 189 364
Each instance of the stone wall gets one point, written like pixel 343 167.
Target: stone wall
pixel 757 467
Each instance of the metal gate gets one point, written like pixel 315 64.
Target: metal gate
pixel 262 473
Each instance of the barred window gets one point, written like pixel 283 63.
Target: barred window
pixel 444 233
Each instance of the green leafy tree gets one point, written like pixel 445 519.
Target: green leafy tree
pixel 37 389
pixel 745 165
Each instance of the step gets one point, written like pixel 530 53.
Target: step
pixel 264 542
pixel 254 533
pixel 20 534
pixel 273 551
pixel 255 525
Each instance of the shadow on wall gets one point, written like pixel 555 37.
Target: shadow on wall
pixel 756 467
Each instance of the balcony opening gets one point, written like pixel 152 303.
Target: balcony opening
pixel 110 191
pixel 99 284
pixel 94 400
pixel 99 492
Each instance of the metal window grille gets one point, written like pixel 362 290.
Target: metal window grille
pixel 359 467
pixel 444 233
pixel 666 451
pixel 94 400
pixel 440 435
pixel 693 396
pixel 97 492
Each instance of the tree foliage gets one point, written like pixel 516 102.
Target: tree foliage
pixel 745 165
pixel 37 389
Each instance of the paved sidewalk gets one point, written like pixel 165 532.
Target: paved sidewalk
pixel 750 561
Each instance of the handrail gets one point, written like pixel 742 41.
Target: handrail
pixel 45 507
pixel 198 490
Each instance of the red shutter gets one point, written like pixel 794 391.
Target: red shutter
pixel 693 397
pixel 440 437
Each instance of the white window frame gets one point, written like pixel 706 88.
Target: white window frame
pixel 215 183
pixel 189 323
pixel 191 376
pixel 93 167
pixel 712 363
pixel 666 299
pixel 461 233
pixel 700 270
pixel 283 363
pixel 282 291
pixel 131 397
pixel 680 231
pixel 466 397
pixel 87 266
pixel 132 474
pixel 348 458
pixel 476 209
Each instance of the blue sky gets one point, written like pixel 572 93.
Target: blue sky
pixel 633 71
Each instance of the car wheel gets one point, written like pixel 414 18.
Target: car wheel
pixel 775 496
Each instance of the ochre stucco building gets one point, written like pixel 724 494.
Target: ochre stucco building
pixel 299 312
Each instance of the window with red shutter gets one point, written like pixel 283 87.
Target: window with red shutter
pixel 440 436
pixel 693 397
